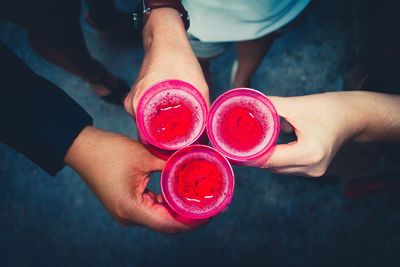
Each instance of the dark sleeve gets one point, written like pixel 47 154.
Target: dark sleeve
pixel 37 118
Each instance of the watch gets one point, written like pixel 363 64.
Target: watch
pixel 144 8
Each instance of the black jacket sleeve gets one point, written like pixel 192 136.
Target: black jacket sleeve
pixel 37 118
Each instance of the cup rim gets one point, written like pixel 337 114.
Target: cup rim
pixel 251 93
pixel 157 88
pixel 187 214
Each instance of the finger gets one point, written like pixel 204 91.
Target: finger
pixel 152 195
pixel 157 164
pixel 206 96
pixel 286 155
pixel 297 171
pixel 159 217
pixel 306 171
pixel 151 163
pixel 160 199
pixel 128 105
pixel 283 105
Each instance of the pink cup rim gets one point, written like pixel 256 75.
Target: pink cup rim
pixel 158 87
pixel 187 214
pixel 247 92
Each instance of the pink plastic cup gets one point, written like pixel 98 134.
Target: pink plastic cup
pixel 197 183
pixel 243 125
pixel 171 114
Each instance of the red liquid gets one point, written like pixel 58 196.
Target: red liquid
pixel 240 129
pixel 199 182
pixel 171 122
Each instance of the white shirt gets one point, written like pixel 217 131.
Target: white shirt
pixel 238 20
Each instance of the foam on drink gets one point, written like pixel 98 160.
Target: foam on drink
pixel 171 114
pixel 241 126
pixel 173 118
pixel 197 182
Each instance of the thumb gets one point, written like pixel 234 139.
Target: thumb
pixel 128 105
pixel 156 164
pixel 291 154
pixel 283 105
pixel 155 215
pixel 286 155
pixel 151 162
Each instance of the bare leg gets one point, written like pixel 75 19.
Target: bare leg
pixel 250 54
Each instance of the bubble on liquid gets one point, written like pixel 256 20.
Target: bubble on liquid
pixel 175 95
pixel 194 209
pixel 258 109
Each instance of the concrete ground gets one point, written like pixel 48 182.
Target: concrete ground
pixel 274 220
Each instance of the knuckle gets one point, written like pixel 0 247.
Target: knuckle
pixel 317 172
pixel 135 97
pixel 316 155
pixel 120 218
pixel 127 102
pixel 122 213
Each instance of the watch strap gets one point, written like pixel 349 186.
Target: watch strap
pixel 175 4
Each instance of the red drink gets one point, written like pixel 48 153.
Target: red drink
pixel 243 125
pixel 197 182
pixel 240 129
pixel 171 118
pixel 171 115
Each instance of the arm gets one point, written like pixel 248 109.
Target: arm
pixel 38 119
pixel 45 124
pixel 324 122
pixel 118 170
pixel 168 55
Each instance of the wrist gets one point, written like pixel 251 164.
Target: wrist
pixel 164 23
pixel 84 145
pixel 380 117
pixel 357 115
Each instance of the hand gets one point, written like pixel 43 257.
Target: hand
pixel 322 123
pixel 168 55
pixel 118 170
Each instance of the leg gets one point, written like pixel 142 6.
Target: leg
pixel 57 36
pixel 59 39
pixel 250 54
pixel 69 52
pixel 67 49
pixel 205 52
